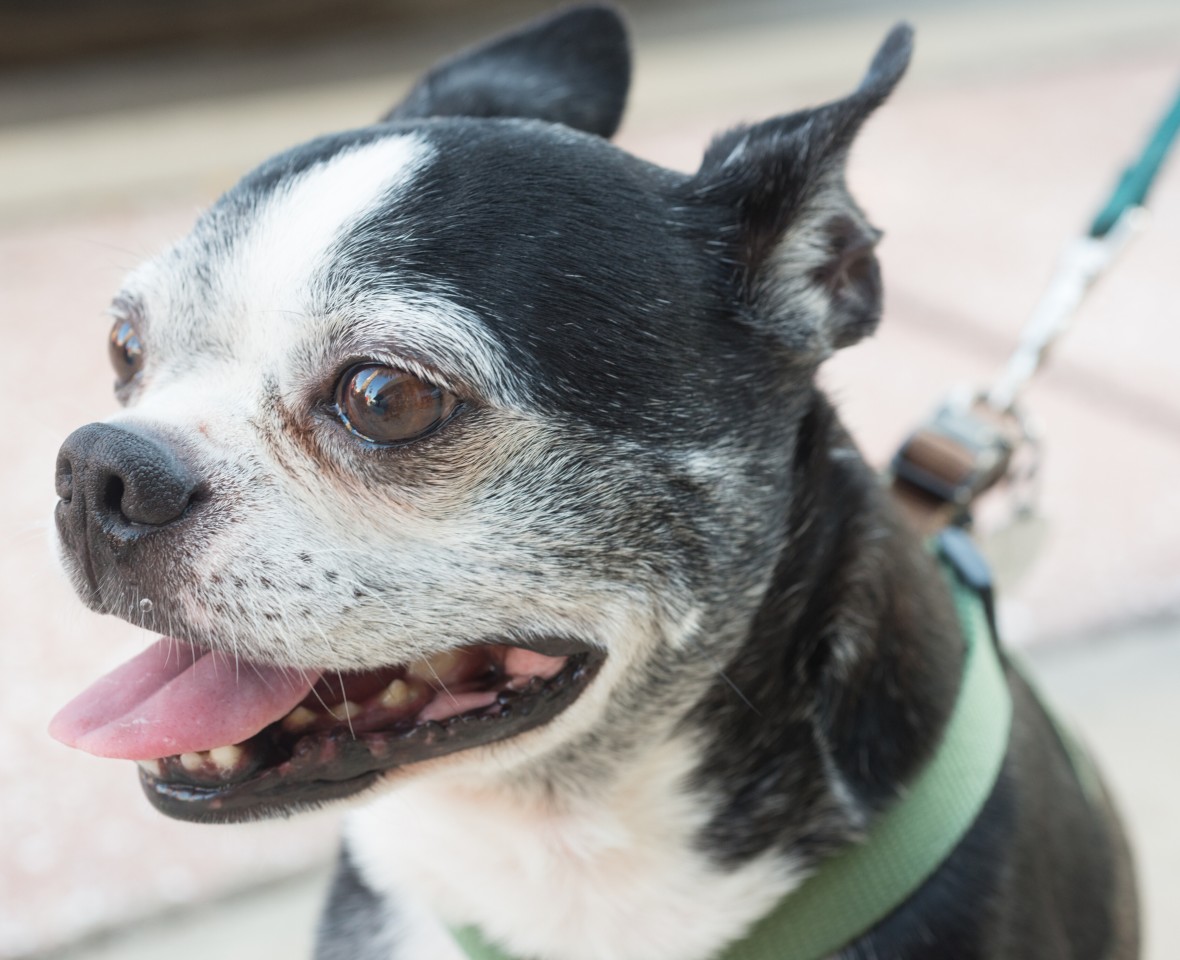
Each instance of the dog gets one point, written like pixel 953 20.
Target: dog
pixel 475 469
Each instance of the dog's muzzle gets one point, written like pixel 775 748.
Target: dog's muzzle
pixel 118 488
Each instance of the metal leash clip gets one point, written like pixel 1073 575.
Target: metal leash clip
pixel 963 450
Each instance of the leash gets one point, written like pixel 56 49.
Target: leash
pixel 971 441
pixel 965 449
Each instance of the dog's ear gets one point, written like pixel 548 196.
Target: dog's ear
pixel 573 67
pixel 801 249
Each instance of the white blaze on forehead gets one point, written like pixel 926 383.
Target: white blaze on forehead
pixel 283 250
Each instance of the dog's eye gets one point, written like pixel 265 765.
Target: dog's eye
pixel 386 405
pixel 126 351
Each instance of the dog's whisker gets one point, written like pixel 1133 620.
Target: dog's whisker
pixel 734 687
pixel 445 690
pixel 343 700
pixel 138 255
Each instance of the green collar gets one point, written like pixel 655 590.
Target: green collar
pixel 859 887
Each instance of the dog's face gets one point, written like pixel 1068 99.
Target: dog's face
pixel 461 436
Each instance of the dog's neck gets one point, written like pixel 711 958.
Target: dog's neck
pixel 834 701
pixel 848 674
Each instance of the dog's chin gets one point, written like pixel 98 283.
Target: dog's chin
pixel 356 729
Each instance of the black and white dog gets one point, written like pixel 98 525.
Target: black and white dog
pixel 472 464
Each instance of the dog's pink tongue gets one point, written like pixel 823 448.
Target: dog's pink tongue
pixel 172 699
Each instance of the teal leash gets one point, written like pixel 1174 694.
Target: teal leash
pixel 1136 180
pixel 1083 261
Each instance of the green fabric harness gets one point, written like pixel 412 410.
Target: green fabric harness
pixel 854 890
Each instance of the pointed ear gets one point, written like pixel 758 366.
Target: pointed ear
pixel 802 249
pixel 573 67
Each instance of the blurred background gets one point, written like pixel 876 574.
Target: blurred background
pixel 120 119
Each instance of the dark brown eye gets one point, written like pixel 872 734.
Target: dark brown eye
pixel 126 351
pixel 386 405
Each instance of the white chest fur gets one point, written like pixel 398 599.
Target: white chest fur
pixel 616 877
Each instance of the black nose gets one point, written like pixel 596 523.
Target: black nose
pixel 122 482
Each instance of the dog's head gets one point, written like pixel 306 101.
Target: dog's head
pixel 463 434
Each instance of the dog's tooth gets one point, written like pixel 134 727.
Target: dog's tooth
pixel 397 695
pixel 150 767
pixel 192 762
pixel 344 710
pixel 298 720
pixel 440 668
pixel 226 758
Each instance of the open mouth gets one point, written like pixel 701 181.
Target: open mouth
pixel 219 740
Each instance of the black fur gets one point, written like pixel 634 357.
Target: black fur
pixel 853 660
pixel 851 664
pixel 790 702
pixel 786 175
pixel 587 319
pixel 356 922
pixel 572 68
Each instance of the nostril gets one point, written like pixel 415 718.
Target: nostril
pixel 145 496
pixel 112 494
